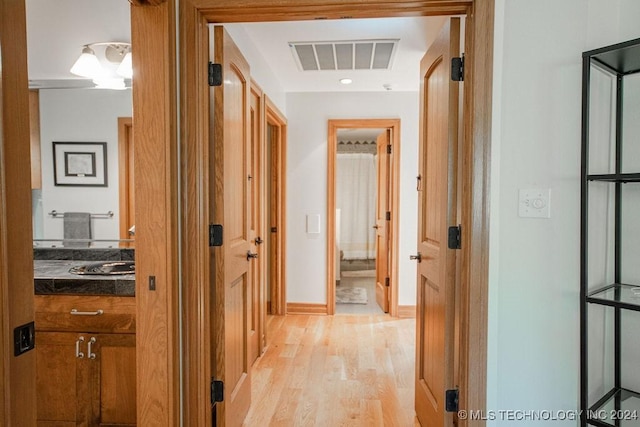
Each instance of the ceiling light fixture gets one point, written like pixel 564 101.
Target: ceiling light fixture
pixel 346 81
pixel 107 74
pixel 125 69
pixel 87 65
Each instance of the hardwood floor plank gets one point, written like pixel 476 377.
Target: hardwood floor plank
pixel 343 370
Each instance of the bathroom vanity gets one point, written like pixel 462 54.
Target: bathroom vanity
pixel 85 345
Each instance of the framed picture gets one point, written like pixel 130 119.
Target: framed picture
pixel 80 164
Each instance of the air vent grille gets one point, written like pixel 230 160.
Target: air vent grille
pixel 344 55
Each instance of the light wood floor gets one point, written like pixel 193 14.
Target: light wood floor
pixel 342 370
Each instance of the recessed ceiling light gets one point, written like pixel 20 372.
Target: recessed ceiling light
pixel 346 81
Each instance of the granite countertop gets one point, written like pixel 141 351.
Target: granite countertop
pixel 52 277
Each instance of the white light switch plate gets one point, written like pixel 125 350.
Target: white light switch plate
pixel 535 203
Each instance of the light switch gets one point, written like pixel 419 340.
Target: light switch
pixel 313 223
pixel 535 203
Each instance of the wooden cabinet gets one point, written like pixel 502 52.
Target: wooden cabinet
pixel 86 376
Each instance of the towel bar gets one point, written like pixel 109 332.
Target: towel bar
pixel 57 214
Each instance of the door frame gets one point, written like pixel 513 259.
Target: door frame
pixel 194 17
pixel 172 238
pixel 125 142
pixel 17 373
pixel 332 154
pixel 258 203
pixel 274 117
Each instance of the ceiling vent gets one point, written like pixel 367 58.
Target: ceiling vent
pixel 344 55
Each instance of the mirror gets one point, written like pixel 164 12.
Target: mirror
pixel 81 126
pixel 82 142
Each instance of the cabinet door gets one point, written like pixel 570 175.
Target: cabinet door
pixel 62 379
pixel 113 362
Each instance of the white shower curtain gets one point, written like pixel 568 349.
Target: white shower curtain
pixel 356 198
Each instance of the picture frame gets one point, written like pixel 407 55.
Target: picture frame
pixel 80 164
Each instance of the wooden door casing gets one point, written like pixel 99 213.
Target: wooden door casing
pixel 155 58
pixel 126 179
pixel 383 205
pixel 256 222
pixel 437 200
pixel 392 127
pixel 276 141
pixel 231 207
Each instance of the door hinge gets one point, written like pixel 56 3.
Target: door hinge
pixel 454 241
pixel 215 74
pixel 388 216
pixel 386 281
pixel 389 149
pixel 457 69
pixel 451 400
pixel 217 391
pixel 215 235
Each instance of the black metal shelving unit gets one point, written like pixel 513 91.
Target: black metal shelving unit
pixel 619 60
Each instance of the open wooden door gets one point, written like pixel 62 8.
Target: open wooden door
pixel 383 207
pixel 436 212
pixel 230 207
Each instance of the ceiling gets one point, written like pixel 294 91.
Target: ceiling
pixel 57 31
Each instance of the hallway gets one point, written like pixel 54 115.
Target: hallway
pixel 343 370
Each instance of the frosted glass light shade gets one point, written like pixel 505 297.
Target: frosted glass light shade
pixel 87 64
pixel 125 69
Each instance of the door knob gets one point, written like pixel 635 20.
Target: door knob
pixel 259 241
pixel 251 255
pixel 417 257
pixel 376 226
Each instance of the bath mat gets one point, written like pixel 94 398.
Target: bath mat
pixel 351 295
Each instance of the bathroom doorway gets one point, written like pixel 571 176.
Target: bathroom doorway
pixel 362 225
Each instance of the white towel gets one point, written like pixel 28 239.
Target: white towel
pixel 76 225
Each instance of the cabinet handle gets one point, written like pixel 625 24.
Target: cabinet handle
pixel 75 312
pixel 91 354
pixel 79 354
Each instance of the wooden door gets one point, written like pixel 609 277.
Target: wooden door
pixel 231 208
pixel 256 234
pixel 383 206
pixel 61 380
pixel 113 367
pixel 436 212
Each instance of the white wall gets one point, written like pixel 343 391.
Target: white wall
pixel 85 115
pixel 534 268
pixel 261 69
pixel 308 115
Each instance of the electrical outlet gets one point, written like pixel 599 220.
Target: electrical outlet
pixel 535 203
pixel 24 338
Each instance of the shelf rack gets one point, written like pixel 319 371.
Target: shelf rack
pixel 619 60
